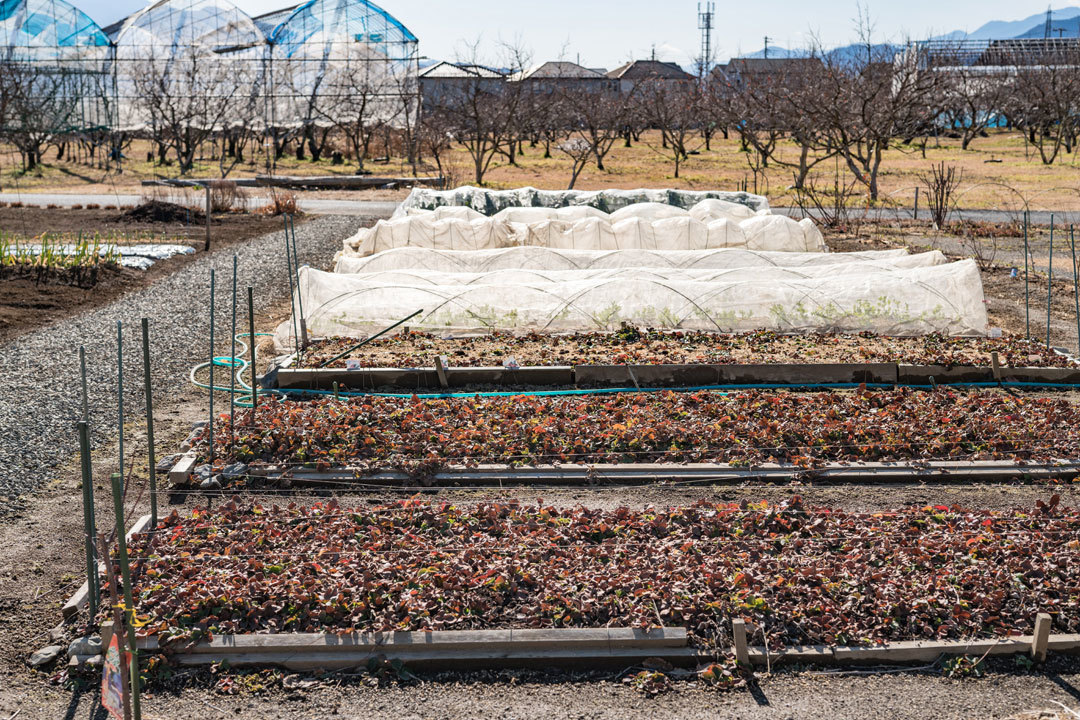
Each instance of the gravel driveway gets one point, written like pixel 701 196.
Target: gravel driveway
pixel 39 402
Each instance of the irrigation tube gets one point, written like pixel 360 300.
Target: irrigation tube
pixel 238 364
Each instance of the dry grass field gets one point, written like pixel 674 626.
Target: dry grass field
pixel 999 171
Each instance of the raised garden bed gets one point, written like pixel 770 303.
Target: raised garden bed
pixel 418 361
pixel 797 576
pixel 746 430
pixel 639 347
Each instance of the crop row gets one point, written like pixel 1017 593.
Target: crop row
pixel 630 345
pixel 752 427
pixel 798 575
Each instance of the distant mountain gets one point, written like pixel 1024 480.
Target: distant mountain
pixel 1067 19
pixel 1061 28
pixel 1028 27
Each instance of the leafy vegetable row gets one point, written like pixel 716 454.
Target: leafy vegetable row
pixel 750 427
pixel 799 576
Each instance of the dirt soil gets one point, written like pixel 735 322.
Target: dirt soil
pixel 418 349
pixel 25 304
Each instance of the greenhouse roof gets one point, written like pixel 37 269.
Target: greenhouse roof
pixel 44 24
pixel 321 21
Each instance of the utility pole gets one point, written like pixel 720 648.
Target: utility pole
pixel 767 39
pixel 706 13
pixel 1049 28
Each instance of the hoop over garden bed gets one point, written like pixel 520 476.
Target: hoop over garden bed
pixel 805 576
pixel 630 346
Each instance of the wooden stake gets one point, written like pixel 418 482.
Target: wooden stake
pixel 996 364
pixel 440 370
pixel 1041 638
pixel 742 650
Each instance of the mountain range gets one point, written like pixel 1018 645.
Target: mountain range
pixel 1065 22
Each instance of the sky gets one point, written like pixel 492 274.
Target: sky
pixel 606 33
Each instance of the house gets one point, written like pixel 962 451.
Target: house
pixel 740 71
pixel 628 76
pixel 550 77
pixel 446 80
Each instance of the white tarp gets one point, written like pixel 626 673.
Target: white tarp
pixel 681 232
pixel 944 298
pixel 489 202
pixel 543 258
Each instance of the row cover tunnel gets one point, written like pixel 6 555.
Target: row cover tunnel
pixel 206 63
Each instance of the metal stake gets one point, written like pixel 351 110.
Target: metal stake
pixel 292 295
pixel 210 425
pixel 85 397
pixel 120 392
pixel 152 455
pixel 1050 282
pixel 251 339
pixel 88 515
pixel 1076 280
pixel 232 361
pixel 129 604
pixel 1027 293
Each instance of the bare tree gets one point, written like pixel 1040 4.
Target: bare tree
pixel 191 98
pixel 39 104
pixel 672 107
pixel 1044 101
pixel 971 101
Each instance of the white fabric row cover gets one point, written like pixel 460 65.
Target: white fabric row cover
pixel 541 258
pixel 944 298
pixel 765 232
pixel 706 211
pixel 489 202
pixel 518 276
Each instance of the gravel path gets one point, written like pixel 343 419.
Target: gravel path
pixel 39 403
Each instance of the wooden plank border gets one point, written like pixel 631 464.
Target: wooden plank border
pixel 428 378
pixel 604 647
pixel 76 602
pixel 633 473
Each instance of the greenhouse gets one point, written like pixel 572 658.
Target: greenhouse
pixel 179 65
pixel 53 61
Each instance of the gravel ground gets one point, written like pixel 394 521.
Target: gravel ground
pixel 40 400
